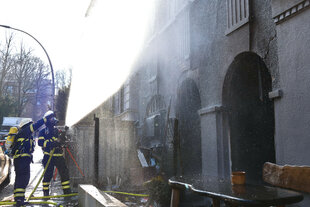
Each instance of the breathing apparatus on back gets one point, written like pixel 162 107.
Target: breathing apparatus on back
pixel 10 140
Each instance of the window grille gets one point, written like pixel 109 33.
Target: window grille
pixel 237 14
pixel 156 104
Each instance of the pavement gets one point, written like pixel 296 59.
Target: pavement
pixel 36 170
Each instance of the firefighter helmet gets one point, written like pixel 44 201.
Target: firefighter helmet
pixel 52 119
pixel 24 122
pixel 48 113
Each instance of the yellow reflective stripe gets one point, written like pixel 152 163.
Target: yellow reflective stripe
pixel 45 142
pixel 31 128
pixel 41 137
pixel 66 187
pixel 45 188
pixel 56 155
pixel 65 183
pixel 20 139
pixel 22 155
pixel 46 183
pixel 44 119
pixel 19 190
pixel 19 195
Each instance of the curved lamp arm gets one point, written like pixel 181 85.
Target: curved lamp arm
pixel 49 60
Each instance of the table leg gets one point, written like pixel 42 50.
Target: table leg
pixel 216 202
pixel 175 198
pixel 231 205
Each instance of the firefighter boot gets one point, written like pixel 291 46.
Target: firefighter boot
pixel 20 203
pixel 45 193
pixel 46 188
pixel 66 192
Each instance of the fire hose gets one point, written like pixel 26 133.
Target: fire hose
pixel 48 162
pixel 8 202
pixel 38 198
pixel 33 198
pixel 81 172
pixel 5 203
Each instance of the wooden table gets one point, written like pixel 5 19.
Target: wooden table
pixel 233 195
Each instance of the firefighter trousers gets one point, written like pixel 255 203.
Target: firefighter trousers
pixel 60 164
pixel 22 177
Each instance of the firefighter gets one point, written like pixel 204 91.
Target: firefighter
pixel 49 139
pixel 22 150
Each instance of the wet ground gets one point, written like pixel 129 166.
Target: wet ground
pixel 6 194
pixel 131 201
pixel 36 170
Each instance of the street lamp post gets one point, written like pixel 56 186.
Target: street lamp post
pixel 49 60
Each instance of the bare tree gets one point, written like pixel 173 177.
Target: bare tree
pixel 6 61
pixel 63 78
pixel 42 87
pixel 25 85
pixel 23 77
pixel 63 83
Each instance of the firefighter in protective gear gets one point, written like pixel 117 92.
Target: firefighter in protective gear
pixel 49 139
pixel 22 154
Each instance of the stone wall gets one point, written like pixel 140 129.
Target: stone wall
pixel 116 150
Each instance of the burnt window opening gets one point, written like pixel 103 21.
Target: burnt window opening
pixel 153 127
pixel 250 117
pixel 189 128
pixel 121 100
pixel 156 104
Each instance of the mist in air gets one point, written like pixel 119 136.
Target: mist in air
pixel 112 36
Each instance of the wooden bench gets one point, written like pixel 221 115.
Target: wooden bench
pixel 287 176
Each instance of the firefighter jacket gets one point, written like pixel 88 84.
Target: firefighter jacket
pixel 24 145
pixel 47 139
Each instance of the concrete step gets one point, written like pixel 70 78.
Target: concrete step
pixel 89 195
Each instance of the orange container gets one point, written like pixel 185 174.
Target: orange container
pixel 238 178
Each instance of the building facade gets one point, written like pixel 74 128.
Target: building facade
pixel 221 86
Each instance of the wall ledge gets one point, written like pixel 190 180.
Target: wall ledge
pixel 210 109
pixel 275 94
pixel 291 11
pixel 89 195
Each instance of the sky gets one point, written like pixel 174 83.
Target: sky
pixel 99 40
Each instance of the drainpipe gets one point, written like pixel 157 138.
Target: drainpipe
pixel 96 144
